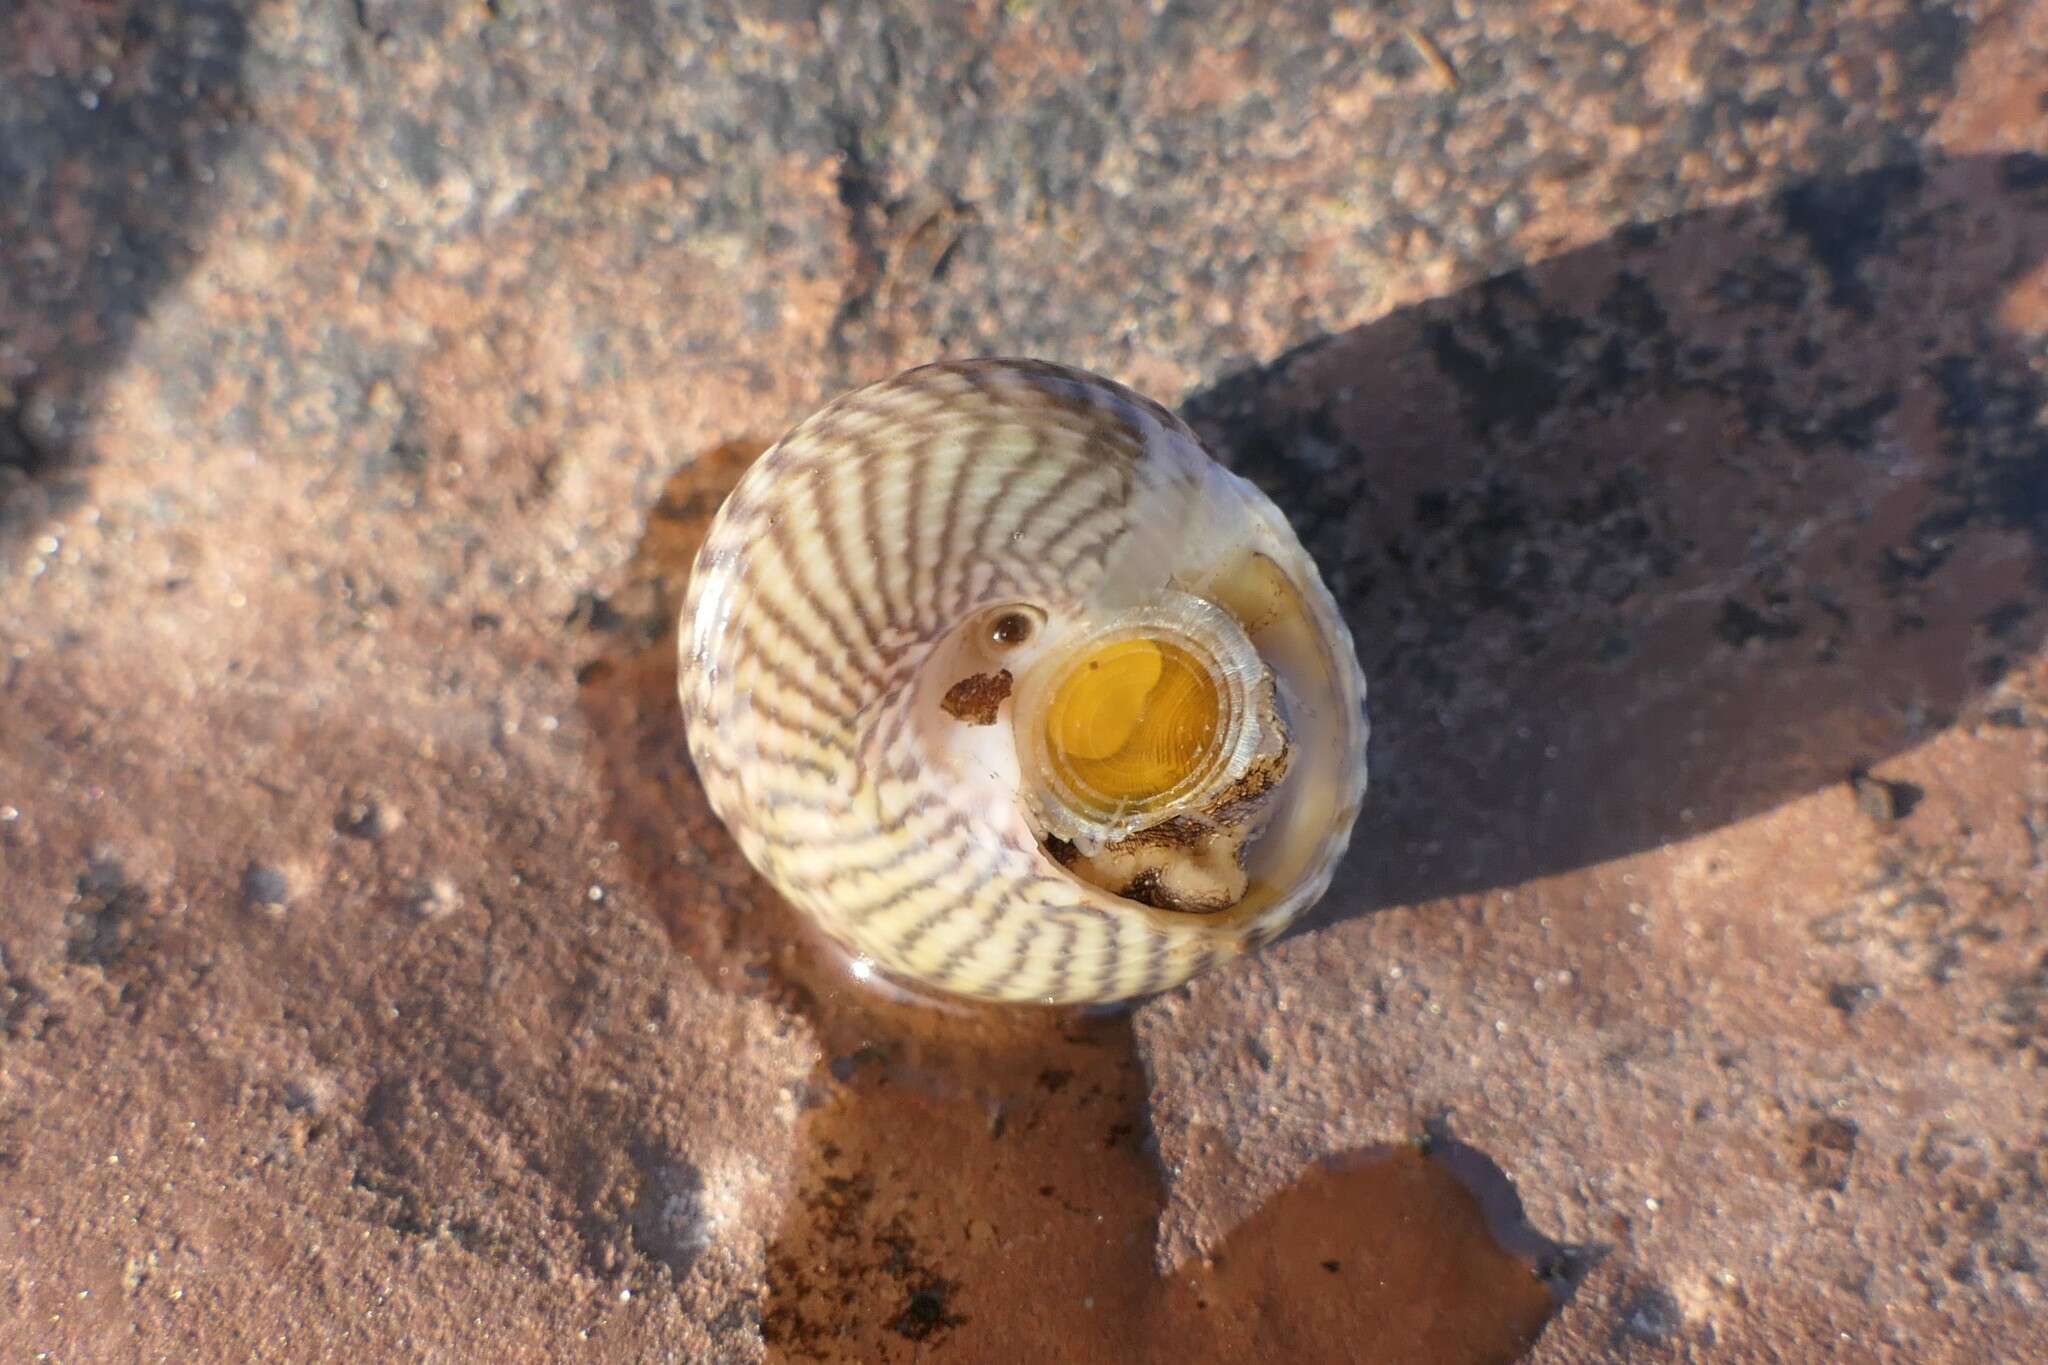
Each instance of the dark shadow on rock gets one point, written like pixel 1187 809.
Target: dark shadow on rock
pixel 1561 1268
pixel 983 1181
pixel 1666 531
pixel 112 118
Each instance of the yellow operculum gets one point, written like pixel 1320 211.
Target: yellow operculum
pixel 1133 719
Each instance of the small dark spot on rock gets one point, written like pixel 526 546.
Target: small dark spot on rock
pixel 1562 1269
pixel 265 887
pixel 1739 623
pixel 845 1068
pixel 1650 1314
pixel 974 700
pixel 32 436
pixel 1396 60
pixel 1054 1079
pixel 104 924
pixel 2008 718
pixel 1851 997
pixel 1844 221
pixel 593 611
pixel 307 1094
pixel 1507 364
pixel 1882 801
pixel 2024 170
pixel 1830 1148
pixel 1333 1266
pixel 669 1221
pixel 22 1008
pixel 1636 236
pixel 925 1315
pixel 366 817
pixel 2002 621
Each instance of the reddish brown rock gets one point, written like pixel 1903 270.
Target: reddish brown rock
pixel 1660 392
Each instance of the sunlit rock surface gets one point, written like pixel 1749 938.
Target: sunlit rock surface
pixel 1659 387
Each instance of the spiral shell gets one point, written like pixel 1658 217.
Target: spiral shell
pixel 994 673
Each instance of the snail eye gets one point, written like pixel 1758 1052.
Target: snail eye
pixel 1011 627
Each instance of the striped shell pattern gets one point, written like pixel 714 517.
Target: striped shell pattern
pixel 845 586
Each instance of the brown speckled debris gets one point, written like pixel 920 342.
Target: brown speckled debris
pixel 1660 386
pixel 976 699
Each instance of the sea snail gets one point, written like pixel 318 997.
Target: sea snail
pixel 994 673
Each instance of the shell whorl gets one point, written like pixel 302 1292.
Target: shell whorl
pixel 843 557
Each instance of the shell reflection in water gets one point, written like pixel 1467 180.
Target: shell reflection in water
pixel 993 672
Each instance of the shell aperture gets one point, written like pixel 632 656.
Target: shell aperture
pixel 1014 691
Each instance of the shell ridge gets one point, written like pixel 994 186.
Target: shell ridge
pixel 812 594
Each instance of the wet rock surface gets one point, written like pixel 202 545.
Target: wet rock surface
pixel 1660 388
